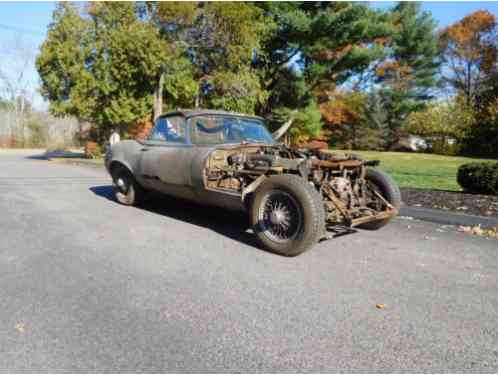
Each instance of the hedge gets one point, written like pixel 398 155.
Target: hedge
pixel 481 178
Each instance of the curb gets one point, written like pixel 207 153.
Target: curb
pixel 447 217
pixel 81 162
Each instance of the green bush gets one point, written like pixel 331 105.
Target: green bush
pixel 93 150
pixel 479 178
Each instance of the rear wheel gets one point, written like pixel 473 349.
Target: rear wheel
pixel 126 190
pixel 385 186
pixel 287 215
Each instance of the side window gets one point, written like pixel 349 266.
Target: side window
pixel 169 129
pixel 207 130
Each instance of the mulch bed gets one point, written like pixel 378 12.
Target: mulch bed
pixel 472 204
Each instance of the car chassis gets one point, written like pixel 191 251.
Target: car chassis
pixel 340 179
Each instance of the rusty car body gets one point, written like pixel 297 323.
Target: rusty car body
pixel 231 161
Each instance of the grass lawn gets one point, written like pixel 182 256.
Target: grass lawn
pixel 425 171
pixel 415 170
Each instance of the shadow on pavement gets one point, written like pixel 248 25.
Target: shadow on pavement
pixel 38 157
pixel 57 154
pixel 228 223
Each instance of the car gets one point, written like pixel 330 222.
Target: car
pixel 294 197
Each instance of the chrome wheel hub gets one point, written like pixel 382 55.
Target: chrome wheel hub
pixel 280 216
pixel 121 184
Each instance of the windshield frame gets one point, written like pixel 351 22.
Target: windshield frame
pixel 256 120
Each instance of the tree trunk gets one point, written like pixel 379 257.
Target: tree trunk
pixel 21 119
pixel 158 98
pixel 353 143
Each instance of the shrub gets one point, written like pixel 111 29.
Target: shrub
pixel 93 150
pixel 479 178
pixel 441 122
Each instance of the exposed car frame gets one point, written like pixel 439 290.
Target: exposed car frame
pixel 292 195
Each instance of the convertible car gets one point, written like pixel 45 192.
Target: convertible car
pixel 294 196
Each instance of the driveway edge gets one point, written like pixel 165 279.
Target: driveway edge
pixel 448 218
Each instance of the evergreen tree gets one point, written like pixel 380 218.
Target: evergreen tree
pixel 101 66
pixel 61 62
pixel 409 74
pixel 314 46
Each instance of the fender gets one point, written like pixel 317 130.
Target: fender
pixel 126 153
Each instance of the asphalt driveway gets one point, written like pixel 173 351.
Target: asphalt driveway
pixel 89 285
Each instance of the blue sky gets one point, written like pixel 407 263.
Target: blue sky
pixel 26 22
pixel 448 12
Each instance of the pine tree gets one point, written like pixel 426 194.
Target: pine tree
pixel 409 74
pixel 314 45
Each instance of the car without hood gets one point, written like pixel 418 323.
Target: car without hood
pixel 293 196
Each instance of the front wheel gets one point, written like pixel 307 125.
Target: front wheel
pixel 126 190
pixel 287 215
pixel 385 186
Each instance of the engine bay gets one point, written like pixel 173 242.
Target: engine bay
pixel 347 196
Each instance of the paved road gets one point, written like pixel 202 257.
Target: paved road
pixel 89 285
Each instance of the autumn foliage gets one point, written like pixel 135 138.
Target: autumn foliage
pixel 469 50
pixel 344 72
pixel 141 129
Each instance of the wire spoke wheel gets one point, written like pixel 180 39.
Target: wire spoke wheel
pixel 126 189
pixel 373 199
pixel 287 214
pixel 122 183
pixel 380 184
pixel 280 216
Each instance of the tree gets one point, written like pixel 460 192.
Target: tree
pixel 442 122
pixel 481 139
pixel 101 66
pixel 469 52
pixel 61 61
pixel 220 40
pixel 312 46
pixel 176 83
pixel 409 73
pixel 125 66
pixel 16 87
pixel 344 116
pixel 306 123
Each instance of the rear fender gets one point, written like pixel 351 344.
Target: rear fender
pixel 126 153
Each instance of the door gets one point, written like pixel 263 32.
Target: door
pixel 166 157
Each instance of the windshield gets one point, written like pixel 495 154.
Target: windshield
pixel 228 129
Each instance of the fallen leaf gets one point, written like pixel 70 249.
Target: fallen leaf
pixel 380 306
pixel 476 230
pixel 20 327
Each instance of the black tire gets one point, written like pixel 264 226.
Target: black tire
pixel 389 190
pixel 126 189
pixel 290 200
